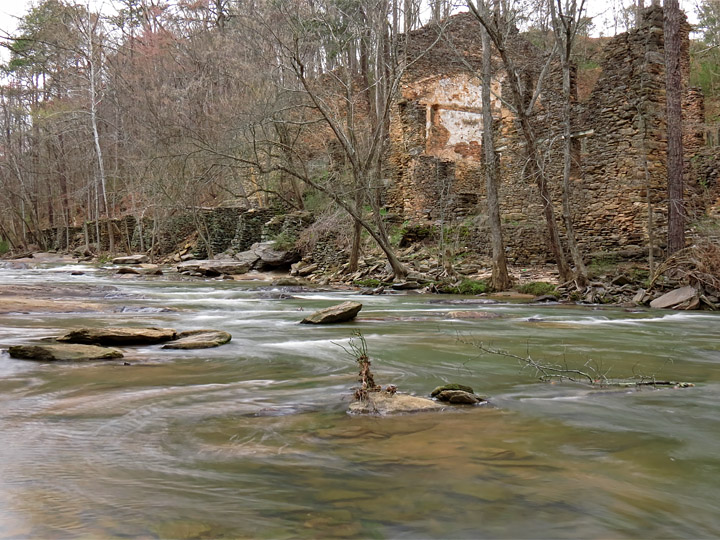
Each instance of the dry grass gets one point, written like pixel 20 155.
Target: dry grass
pixel 697 265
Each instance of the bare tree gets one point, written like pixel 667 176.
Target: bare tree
pixel 499 26
pixel 500 280
pixel 352 105
pixel 566 17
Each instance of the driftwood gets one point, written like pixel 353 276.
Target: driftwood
pixel 589 374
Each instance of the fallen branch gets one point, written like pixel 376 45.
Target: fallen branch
pixel 589 375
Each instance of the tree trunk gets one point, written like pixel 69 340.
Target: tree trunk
pixel 673 78
pixel 500 279
pixel 523 117
pixel 102 184
pixel 565 21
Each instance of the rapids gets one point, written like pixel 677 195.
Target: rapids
pixel 251 439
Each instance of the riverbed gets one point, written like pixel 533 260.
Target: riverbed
pixel 252 439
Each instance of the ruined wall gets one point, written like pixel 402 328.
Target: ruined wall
pixel 436 127
pixel 223 229
pixel 624 160
pixel 436 139
pixel 619 144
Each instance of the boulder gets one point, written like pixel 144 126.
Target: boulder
pixel 212 268
pixel 270 257
pixel 127 270
pixel 452 386
pixel 119 336
pixel 247 257
pixel 303 269
pixel 640 297
pixel 344 312
pixel 199 339
pixel 675 298
pixel 621 280
pixel 386 403
pixel 459 397
pixel 131 259
pixel 63 352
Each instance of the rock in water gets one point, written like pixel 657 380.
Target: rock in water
pixel 213 268
pixel 459 397
pixel 131 259
pixel 457 394
pixel 63 352
pixel 127 270
pixel 199 339
pixel 472 315
pixel 385 403
pixel 452 386
pixel 675 298
pixel 119 336
pixel 344 312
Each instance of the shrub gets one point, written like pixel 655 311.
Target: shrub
pixel 602 264
pixel 4 246
pixel 285 241
pixel 466 286
pixel 537 288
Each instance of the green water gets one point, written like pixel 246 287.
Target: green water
pixel 251 440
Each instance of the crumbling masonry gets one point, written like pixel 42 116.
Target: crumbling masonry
pixel 620 145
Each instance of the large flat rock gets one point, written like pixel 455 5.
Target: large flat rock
pixel 49 298
pixel 119 336
pixel 131 259
pixel 674 298
pixel 384 403
pixel 213 268
pixel 199 339
pixel 63 352
pixel 344 312
pixel 19 304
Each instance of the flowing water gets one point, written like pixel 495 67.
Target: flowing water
pixel 251 440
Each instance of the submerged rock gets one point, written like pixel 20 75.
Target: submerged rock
pixel 119 336
pixel 199 339
pixel 63 352
pixel 472 315
pixel 385 403
pixel 344 312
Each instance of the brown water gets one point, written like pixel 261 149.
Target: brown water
pixel 251 440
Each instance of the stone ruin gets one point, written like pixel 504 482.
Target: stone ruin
pixel 619 175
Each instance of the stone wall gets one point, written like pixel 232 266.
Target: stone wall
pixel 620 144
pixel 222 229
pixel 624 178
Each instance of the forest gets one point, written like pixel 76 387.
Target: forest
pixel 162 110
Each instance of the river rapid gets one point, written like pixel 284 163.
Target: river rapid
pixel 251 439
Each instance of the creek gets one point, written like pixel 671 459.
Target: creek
pixel 251 439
